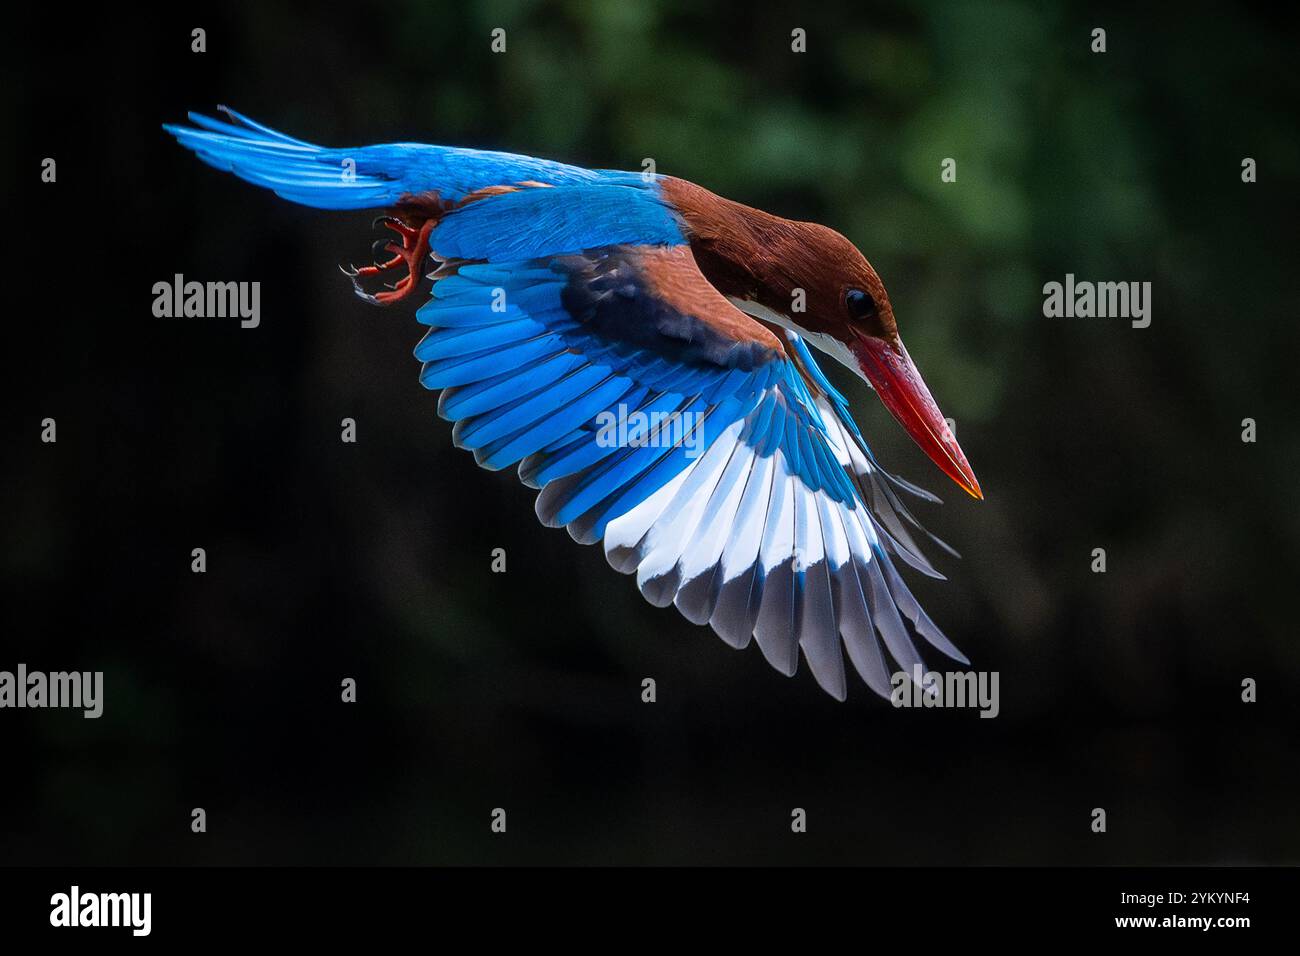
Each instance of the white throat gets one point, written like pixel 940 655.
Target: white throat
pixel 819 340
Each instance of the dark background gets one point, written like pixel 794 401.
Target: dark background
pixel 521 690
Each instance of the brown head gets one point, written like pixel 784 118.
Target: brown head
pixel 809 278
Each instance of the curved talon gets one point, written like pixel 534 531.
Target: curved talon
pixel 362 293
pixel 410 253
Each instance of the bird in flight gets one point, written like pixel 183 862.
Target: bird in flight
pixel 639 348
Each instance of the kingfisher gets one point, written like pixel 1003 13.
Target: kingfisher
pixel 565 301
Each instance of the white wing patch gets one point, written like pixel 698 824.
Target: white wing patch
pixel 739 541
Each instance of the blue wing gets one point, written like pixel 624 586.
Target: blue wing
pixel 742 506
pixel 578 208
pixel 367 177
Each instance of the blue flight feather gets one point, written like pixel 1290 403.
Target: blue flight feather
pixel 367 177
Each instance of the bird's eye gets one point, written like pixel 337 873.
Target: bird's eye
pixel 861 304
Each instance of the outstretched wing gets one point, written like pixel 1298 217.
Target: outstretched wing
pixel 654 415
pixel 363 177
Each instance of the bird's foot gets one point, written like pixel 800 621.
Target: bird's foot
pixel 410 254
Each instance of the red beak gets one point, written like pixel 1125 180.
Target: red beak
pixel 891 372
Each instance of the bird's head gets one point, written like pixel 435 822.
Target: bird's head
pixel 847 302
pixel 808 277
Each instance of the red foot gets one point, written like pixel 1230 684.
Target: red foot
pixel 411 254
